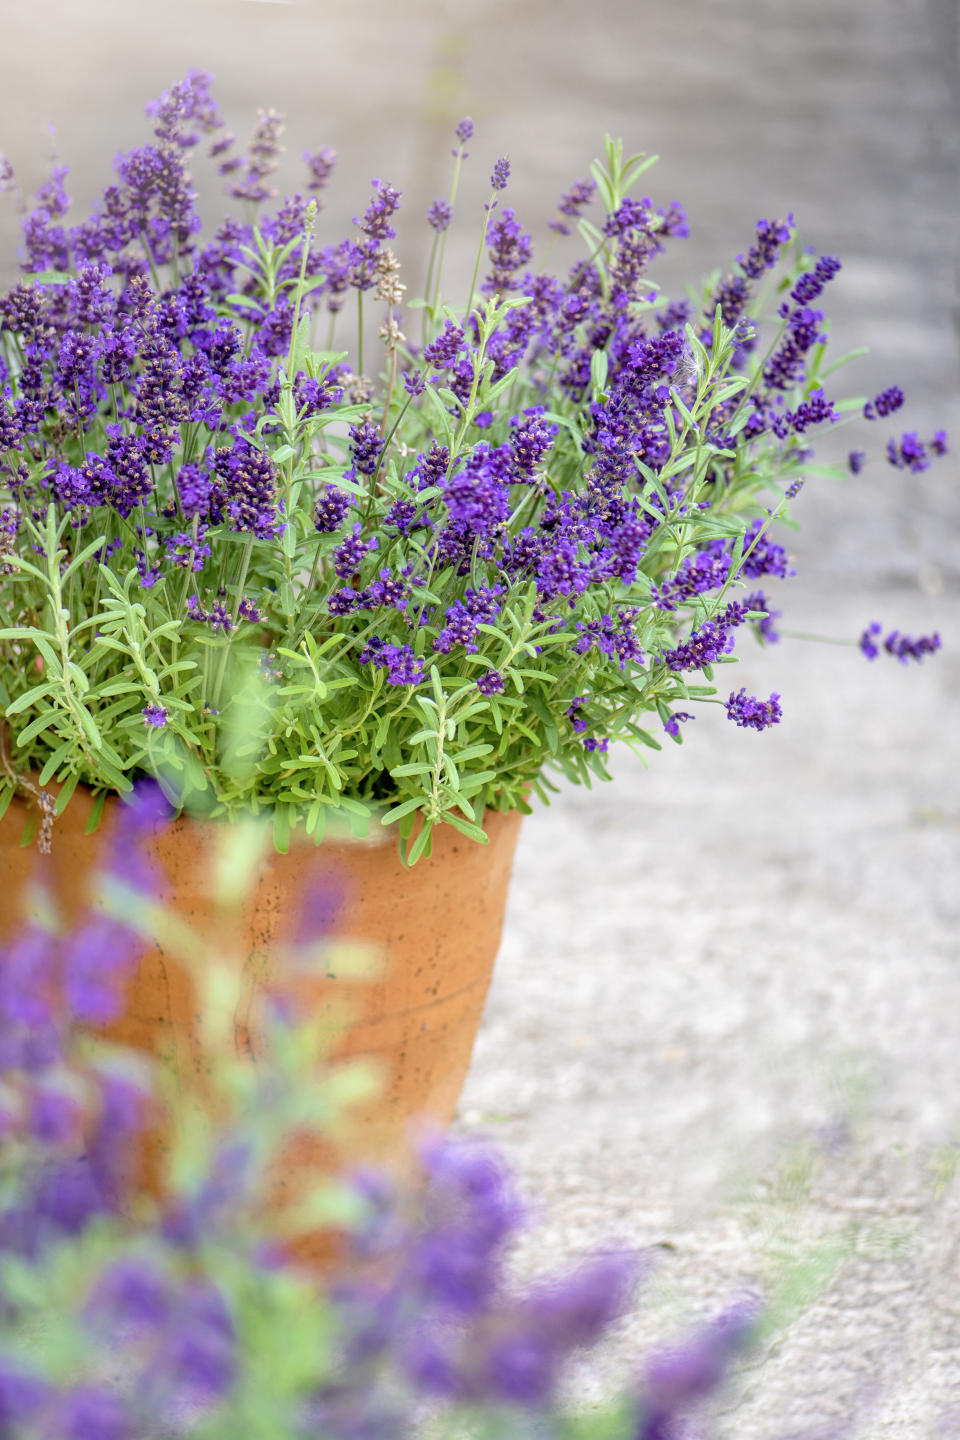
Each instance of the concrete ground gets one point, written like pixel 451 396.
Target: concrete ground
pixel 725 1019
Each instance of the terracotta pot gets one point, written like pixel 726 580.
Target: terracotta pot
pixel 438 926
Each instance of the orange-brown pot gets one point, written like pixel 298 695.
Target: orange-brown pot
pixel 437 925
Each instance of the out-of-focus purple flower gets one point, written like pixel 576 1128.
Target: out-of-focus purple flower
pixel 572 202
pixel 855 461
pixel 884 404
pixel 677 1379
pixel 133 1291
pixel 320 165
pixel 54 1114
pixel 903 647
pixel 22 1395
pixel 439 215
pixel 501 173
pixel 908 453
pixel 199 1356
pixel 91 1412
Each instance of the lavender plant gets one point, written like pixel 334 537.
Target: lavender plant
pixel 124 1319
pixel 234 561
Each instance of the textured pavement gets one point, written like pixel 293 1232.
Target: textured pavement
pixel 725 1019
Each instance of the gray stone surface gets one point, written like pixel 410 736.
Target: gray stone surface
pixel 710 965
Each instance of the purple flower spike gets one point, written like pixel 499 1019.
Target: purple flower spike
pixel 490 683
pixel 902 647
pixel 753 713
pixel 884 404
pixel 679 1378
pixel 439 215
pixel 501 173
pixel 155 716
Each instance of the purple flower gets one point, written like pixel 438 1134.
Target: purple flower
pixel 572 202
pixel 884 404
pixel 904 647
pixel 199 1355
pixel 490 682
pixel 247 477
pixel 939 442
pixel 464 130
pixel 375 223
pixel 352 551
pixel 366 447
pixel 815 410
pixel 155 715
pixel 439 215
pixel 672 726
pixel 331 509
pixel 510 247
pixel 442 352
pixel 811 283
pixel 501 173
pixel 90 1412
pixel 752 712
pixel 677 1379
pixel 320 164
pixel 247 610
pixel 399 661
pixel 54 1115
pixel 908 453
pixel 772 235
pixel 594 744
pixel 855 461
pixel 21 1395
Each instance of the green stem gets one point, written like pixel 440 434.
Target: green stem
pixel 241 581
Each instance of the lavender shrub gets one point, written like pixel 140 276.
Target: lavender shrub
pixel 540 528
pixel 124 1318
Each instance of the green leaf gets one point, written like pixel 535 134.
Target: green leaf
pixel 399 811
pixel 29 697
pixel 421 844
pixel 96 813
pixel 465 827
pixel 281 829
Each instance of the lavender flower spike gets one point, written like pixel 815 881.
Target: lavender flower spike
pixel 752 712
pixel 501 173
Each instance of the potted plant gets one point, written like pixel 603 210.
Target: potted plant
pixel 234 562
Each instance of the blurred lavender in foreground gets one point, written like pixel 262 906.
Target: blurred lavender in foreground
pixel 188 1309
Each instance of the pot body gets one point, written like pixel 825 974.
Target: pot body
pixel 433 933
